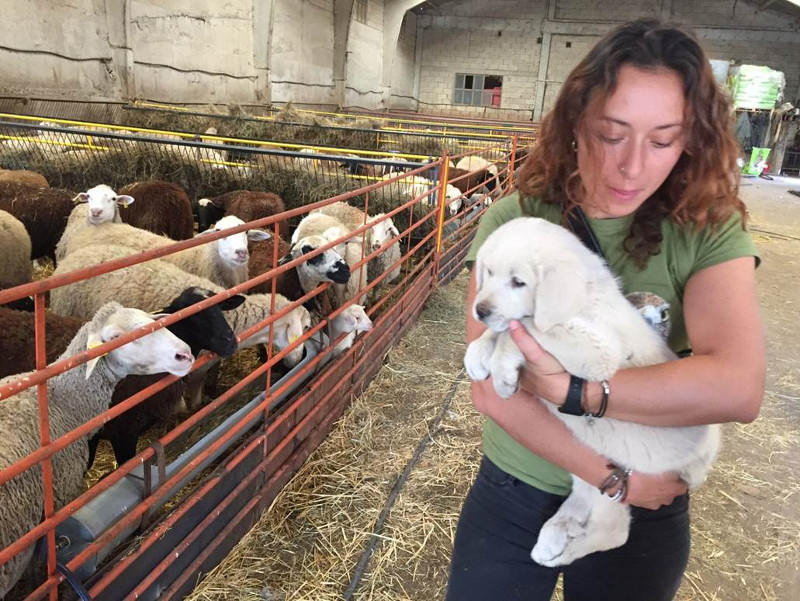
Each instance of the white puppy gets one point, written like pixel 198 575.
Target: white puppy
pixel 540 274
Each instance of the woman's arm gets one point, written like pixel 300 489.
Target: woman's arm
pixel 532 425
pixel 722 382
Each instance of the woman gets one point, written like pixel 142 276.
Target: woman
pixel 640 139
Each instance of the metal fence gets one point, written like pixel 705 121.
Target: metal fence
pixel 266 423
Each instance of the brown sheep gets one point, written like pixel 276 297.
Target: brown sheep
pixel 247 205
pixel 21 176
pixel 467 185
pixel 161 208
pixel 43 212
pixel 260 262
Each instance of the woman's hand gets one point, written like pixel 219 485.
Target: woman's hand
pixel 543 375
pixel 653 491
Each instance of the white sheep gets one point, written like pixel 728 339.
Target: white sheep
pixel 223 261
pixel 15 249
pixel 96 206
pixel 74 397
pixel 352 320
pixel 476 163
pixel 155 283
pixel 536 272
pixel 352 250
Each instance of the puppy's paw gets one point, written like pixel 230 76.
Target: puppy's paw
pixel 506 381
pixel 556 543
pixel 476 359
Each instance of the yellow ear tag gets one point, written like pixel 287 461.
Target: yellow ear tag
pixel 94 344
pixel 292 339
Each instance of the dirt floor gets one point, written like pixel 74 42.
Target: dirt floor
pixel 413 439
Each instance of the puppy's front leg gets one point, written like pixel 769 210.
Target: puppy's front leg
pixel 477 359
pixel 507 361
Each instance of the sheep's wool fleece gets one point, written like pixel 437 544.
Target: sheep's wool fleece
pixel 73 400
pixel 684 251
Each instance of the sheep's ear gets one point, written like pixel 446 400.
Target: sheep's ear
pixel 557 297
pixel 157 316
pixel 124 200
pixel 393 231
pixel 81 198
pixel 255 235
pixel 232 302
pixel 95 339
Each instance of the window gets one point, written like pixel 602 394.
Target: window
pixel 360 10
pixel 478 90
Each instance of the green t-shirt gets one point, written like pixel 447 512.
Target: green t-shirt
pixel 684 251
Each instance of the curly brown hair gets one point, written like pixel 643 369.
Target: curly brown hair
pixel 703 187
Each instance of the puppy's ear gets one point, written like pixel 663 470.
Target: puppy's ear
pixel 478 269
pixel 557 297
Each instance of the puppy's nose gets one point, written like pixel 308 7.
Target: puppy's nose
pixel 482 311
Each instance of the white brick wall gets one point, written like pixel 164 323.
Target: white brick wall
pixel 461 37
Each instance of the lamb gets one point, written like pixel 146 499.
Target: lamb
pixel 15 250
pixel 382 232
pixel 223 261
pixel 352 320
pixel 161 208
pixel 540 274
pixel 43 212
pixel 205 330
pixel 153 284
pixel 247 205
pixel 26 178
pixel 96 206
pixel 352 250
pixel 74 397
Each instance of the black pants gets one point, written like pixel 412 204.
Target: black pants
pixel 498 527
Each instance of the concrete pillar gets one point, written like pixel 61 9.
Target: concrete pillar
pixel 120 69
pixel 263 19
pixel 342 15
pixel 393 13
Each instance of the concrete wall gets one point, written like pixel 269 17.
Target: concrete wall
pixel 365 59
pixel 542 40
pixel 302 52
pixel 404 66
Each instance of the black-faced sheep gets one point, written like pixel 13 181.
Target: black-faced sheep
pixel 26 178
pixel 352 250
pixel 247 205
pixel 74 397
pixel 161 208
pixel 15 252
pixel 43 212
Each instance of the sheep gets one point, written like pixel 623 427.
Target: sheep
pixel 380 234
pixel 351 320
pixel 26 178
pixel 206 329
pixel 43 212
pixel 539 273
pixel 155 283
pixel 223 261
pixel 15 250
pixel 352 250
pixel 476 163
pixel 247 205
pixel 74 397
pixel 96 206
pixel 161 208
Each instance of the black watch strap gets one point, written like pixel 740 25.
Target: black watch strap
pixel 572 405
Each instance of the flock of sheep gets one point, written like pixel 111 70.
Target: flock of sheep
pixel 337 244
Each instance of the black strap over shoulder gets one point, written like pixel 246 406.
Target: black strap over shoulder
pixel 579 225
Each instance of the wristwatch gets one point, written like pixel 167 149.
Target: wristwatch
pixel 572 405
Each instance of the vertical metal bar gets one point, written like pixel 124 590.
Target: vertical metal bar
pixel 44 435
pixel 444 168
pixel 512 162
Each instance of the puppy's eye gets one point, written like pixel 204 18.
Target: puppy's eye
pixel 489 272
pixel 664 314
pixel 517 283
